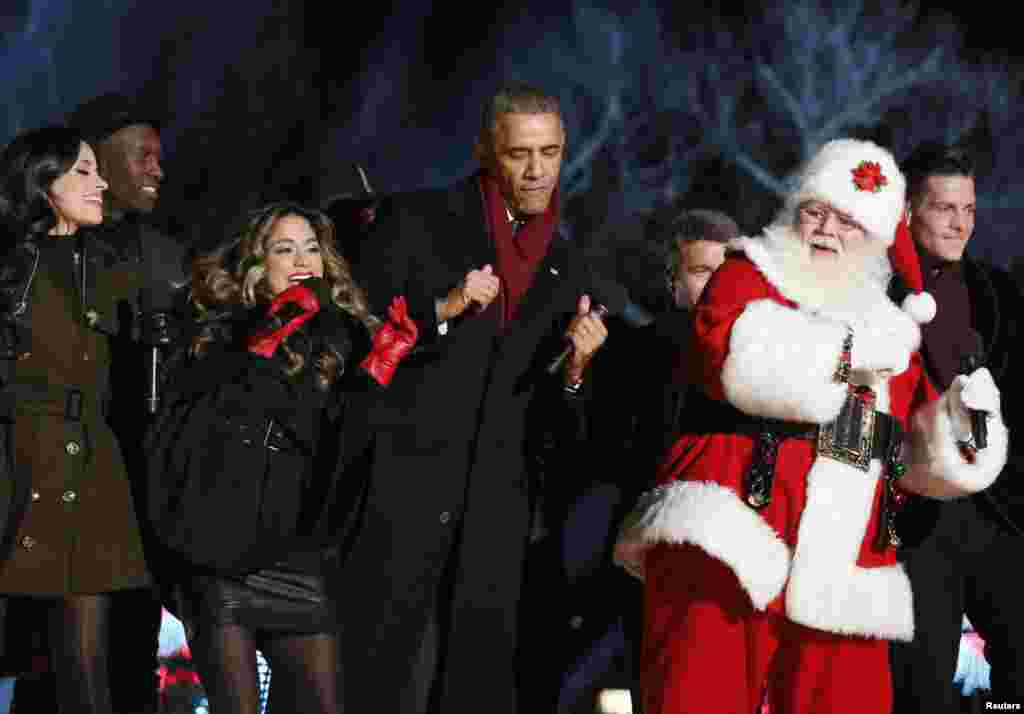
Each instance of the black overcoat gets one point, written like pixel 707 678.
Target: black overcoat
pixel 996 306
pixel 996 316
pixel 451 485
pixel 584 609
pixel 236 434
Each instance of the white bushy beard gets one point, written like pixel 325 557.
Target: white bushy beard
pixel 859 276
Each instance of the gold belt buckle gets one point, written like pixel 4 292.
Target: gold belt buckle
pixel 850 439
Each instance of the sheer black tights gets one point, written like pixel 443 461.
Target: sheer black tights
pixel 79 637
pixel 303 671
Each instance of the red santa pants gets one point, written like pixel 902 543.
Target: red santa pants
pixel 706 649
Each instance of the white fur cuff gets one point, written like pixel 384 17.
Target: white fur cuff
pixel 714 519
pixel 936 468
pixel 781 363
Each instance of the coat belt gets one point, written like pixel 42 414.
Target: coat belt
pixel 41 397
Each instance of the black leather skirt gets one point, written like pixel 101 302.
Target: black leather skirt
pixel 274 601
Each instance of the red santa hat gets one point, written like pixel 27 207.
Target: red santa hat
pixel 858 178
pixel 905 262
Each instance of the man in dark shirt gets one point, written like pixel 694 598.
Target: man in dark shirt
pixel 125 134
pixel 957 553
pixel 634 416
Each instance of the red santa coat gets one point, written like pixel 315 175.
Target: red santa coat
pixel 811 552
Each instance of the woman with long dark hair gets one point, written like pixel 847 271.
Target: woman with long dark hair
pixel 70 536
pixel 245 450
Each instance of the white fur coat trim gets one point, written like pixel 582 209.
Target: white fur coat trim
pixel 935 466
pixel 781 364
pixel 827 590
pixel 714 519
pixel 782 360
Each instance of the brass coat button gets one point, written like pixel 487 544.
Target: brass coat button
pixel 36 496
pixel 73 448
pixel 69 497
pixel 28 542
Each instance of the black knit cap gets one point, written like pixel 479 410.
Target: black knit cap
pixel 101 116
pixel 351 186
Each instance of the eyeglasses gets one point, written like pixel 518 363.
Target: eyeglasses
pixel 818 214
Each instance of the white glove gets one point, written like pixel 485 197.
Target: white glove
pixel 974 391
pixel 879 351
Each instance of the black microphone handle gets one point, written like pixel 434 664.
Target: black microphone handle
pixel 598 310
pixel 556 364
pixel 979 418
pixel 979 428
pixel 289 312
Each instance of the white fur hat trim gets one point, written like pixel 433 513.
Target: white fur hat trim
pixel 859 178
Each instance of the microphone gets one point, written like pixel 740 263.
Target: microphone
pixel 598 311
pixel 320 289
pixel 324 330
pixel 970 361
pixel 156 305
pixel 290 310
pixel 610 298
pixel 620 305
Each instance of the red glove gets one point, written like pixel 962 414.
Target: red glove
pixel 295 306
pixel 391 343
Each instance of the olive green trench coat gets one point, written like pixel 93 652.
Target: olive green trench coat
pixel 70 525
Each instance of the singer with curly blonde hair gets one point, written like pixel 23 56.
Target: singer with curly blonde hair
pixel 255 424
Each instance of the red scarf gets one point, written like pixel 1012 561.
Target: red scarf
pixel 519 256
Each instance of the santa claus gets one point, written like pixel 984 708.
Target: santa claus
pixel 767 554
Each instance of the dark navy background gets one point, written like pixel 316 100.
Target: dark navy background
pixel 713 102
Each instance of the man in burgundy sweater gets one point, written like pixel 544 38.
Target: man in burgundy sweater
pixel 959 554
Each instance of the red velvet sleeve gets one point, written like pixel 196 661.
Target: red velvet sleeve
pixel 734 285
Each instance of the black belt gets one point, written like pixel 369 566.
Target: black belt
pixel 42 397
pixel 886 439
pixel 887 435
pixel 887 430
pixel 276 438
pixel 723 418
